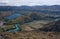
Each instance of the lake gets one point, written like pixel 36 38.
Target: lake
pixel 13 16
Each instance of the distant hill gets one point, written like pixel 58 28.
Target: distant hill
pixel 54 7
pixel 44 9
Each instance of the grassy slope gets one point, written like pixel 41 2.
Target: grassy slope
pixel 34 25
pixel 30 35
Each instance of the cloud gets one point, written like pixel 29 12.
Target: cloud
pixel 30 2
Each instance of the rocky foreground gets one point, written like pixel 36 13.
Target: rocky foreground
pixel 30 35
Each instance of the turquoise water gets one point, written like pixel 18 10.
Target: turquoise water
pixel 16 28
pixel 13 16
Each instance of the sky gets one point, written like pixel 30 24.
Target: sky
pixel 28 2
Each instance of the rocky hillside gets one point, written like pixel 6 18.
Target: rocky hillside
pixel 53 26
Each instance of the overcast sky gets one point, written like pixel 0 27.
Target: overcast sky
pixel 29 2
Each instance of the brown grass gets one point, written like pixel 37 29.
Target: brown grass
pixel 30 35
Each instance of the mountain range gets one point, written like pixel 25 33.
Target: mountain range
pixel 53 7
